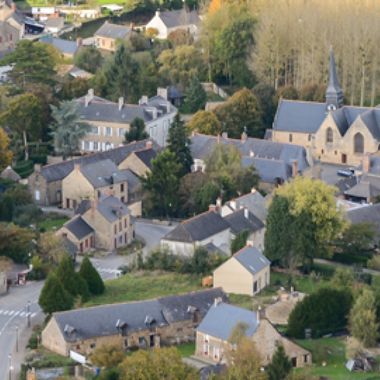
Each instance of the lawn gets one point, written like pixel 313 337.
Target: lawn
pixel 186 349
pixel 145 285
pixel 332 352
pixel 51 224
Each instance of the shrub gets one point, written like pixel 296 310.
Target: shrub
pixel 325 311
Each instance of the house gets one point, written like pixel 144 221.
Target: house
pixel 274 162
pixel 12 27
pixel 108 35
pixel 9 173
pixel 4 73
pixel 331 131
pixel 3 283
pixel 45 183
pixel 173 94
pixel 54 25
pixel 67 48
pixel 214 332
pixel 140 161
pixel 199 231
pixel 104 223
pixel 140 324
pixel 246 272
pixel 110 121
pixel 170 21
pixel 44 13
pixel 91 180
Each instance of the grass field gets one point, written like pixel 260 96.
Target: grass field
pixel 332 352
pixel 186 349
pixel 145 285
pixel 51 224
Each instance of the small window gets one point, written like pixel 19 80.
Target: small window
pixel 95 130
pixel 322 151
pixel 115 229
pixel 305 358
pixel 120 226
pixel 108 131
pixel 290 137
pixel 122 187
pixel 358 143
pixel 294 362
pixel 329 135
pixel 86 145
pixel 92 345
pixel 309 138
pixel 335 152
pixel 96 145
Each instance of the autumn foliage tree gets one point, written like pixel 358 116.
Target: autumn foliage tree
pixel 5 153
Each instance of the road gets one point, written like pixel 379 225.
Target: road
pixel 13 316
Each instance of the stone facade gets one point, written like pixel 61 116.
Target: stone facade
pixel 3 283
pixel 11 27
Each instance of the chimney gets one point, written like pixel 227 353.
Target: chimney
pixel 212 208
pixel 157 13
pixel 251 153
pixel 225 135
pixel 233 204
pixel 217 301
pixel 366 164
pixel 143 100
pixel 253 190
pixel 77 166
pixel 37 168
pixel 89 97
pixel 163 92
pixel 258 314
pixel 244 136
pixel 79 42
pixel 246 213
pixel 294 168
pixel 121 103
pixel 149 144
pixel 219 202
pixel 249 243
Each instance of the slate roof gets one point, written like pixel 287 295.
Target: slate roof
pixel 239 222
pixel 268 170
pixel 114 31
pixel 56 172
pixel 112 208
pixel 103 173
pixel 55 22
pixel 99 109
pixel 179 17
pixel 64 46
pixel 299 116
pixel 365 214
pixel 367 187
pixel 132 179
pixel 251 259
pixel 146 156
pixel 198 228
pixel 9 173
pixel 253 201
pixel 345 184
pixel 102 320
pixel 78 227
pixel 221 320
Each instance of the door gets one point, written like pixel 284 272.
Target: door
pixel 344 158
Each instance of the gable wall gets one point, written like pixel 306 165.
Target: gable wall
pixel 76 187
pixel 157 23
pixel 52 338
pixel 303 139
pixel 133 163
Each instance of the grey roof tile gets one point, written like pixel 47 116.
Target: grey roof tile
pixel 179 17
pixel 114 31
pixel 239 221
pixel 112 208
pixel 221 320
pixel 64 46
pixel 365 214
pixel 252 259
pixel 78 227
pixel 198 228
pixel 146 156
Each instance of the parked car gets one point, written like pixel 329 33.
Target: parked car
pixel 346 172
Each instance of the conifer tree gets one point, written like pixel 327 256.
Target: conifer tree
pixel 280 366
pixel 196 96
pixel 91 276
pixel 54 297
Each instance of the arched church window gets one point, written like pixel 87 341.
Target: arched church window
pixel 358 143
pixel 329 135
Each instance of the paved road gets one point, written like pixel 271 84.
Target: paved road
pixel 13 314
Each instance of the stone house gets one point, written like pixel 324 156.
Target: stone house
pixel 246 272
pixel 330 131
pixel 205 229
pixel 12 26
pixel 170 21
pixel 45 183
pixel 91 181
pixel 274 162
pixel 104 223
pixel 3 283
pixel 107 36
pixel 141 324
pixel 110 121
pixel 213 333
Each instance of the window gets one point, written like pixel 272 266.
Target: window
pixel 94 130
pixel 120 226
pixel 329 135
pixel 120 240
pixel 322 151
pixel 294 362
pixel 122 199
pixel 96 145
pixel 37 195
pixel 92 345
pixel 115 229
pixel 121 132
pixel 309 138
pixel 255 287
pixel 108 146
pixel 108 131
pixel 358 143
pixel 122 187
pixel 305 358
pixel 86 145
pixel 290 137
pixel 125 223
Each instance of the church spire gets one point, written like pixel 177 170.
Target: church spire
pixel 334 94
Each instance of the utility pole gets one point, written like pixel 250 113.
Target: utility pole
pixel 28 313
pixel 16 338
pixel 10 368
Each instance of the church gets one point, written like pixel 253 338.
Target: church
pixel 331 131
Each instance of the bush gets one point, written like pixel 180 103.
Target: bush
pixel 324 311
pixel 39 159
pixel 374 263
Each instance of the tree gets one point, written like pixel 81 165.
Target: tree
pixel 304 211
pixel 265 95
pixel 180 37
pixel 13 198
pixel 121 76
pixel 156 364
pixel 107 356
pixel 324 311
pixel 91 276
pixel 23 117
pixel 50 248
pixel 280 366
pixel 363 320
pixel 136 131
pixel 54 297
pixel 67 128
pixel 5 264
pixel 240 113
pixel 15 242
pixel 162 184
pixel 287 92
pixel 34 62
pixel 343 278
pixel 179 144
pixel 74 88
pixel 196 96
pixel 239 242
pixel 205 122
pixel 180 65
pixel 71 281
pixel 89 58
pixel 5 153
